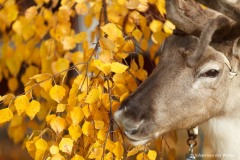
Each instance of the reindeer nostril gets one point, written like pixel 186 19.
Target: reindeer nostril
pixel 131 131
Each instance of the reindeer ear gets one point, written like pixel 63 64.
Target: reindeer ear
pixel 236 48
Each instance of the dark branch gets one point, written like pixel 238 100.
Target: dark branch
pixel 104 11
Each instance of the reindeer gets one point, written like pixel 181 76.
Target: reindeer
pixel 196 81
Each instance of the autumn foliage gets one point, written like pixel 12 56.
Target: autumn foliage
pixel 65 81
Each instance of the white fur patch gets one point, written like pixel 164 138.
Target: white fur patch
pixel 232 1
pixel 224 136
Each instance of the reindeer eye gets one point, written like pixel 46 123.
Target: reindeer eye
pixel 212 73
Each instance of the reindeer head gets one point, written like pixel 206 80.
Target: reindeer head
pixel 191 83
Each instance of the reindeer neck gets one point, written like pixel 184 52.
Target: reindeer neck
pixel 224 136
pixel 224 131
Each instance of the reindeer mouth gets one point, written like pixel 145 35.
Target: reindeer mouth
pixel 136 142
pixel 141 140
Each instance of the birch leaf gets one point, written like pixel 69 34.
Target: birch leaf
pixel 5 115
pixel 21 103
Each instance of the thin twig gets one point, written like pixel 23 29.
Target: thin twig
pixel 38 83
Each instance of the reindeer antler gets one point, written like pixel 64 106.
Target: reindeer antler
pixel 191 18
pixel 187 15
pixel 232 10
pixel 206 37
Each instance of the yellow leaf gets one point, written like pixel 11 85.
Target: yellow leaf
pixel 119 78
pixel 80 83
pixel 158 37
pixel 21 103
pixel 122 55
pixel 124 96
pixel 86 111
pixel 144 44
pixel 121 2
pixel 141 61
pixel 44 80
pixel 57 93
pixel 41 147
pixel 17 133
pixel 58 124
pixel 54 149
pixel 137 34
pixel 120 89
pixel 117 67
pixel 105 100
pixel 88 20
pixel 134 151
pixel 104 67
pixel 101 135
pixel 141 74
pixel 14 65
pixel 33 108
pixel 66 145
pixel 133 65
pixel 156 26
pixel 161 7
pixel 98 124
pixel 16 121
pixel 2 98
pixel 13 84
pixel 152 155
pixel 110 145
pixel 108 156
pixel 107 44
pixel 88 129
pixel 12 11
pixel 68 43
pixel 60 65
pixel 168 27
pixel 76 115
pixel 143 6
pixel 96 153
pixel 49 118
pixel 58 156
pixel 80 37
pixel 24 29
pixel 112 31
pixel 61 107
pixel 106 56
pixel 30 71
pixel 75 132
pixel 152 1
pixel 31 12
pixel 142 156
pixel 129 46
pixel 30 146
pixel 118 150
pixel 81 8
pixel 132 4
pixel 77 157
pixel 108 84
pixel 131 83
pixel 92 96
pixel 82 96
pixel 5 115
